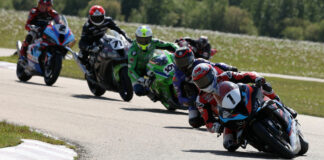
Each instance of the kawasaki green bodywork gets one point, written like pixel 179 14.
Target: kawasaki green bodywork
pixel 162 68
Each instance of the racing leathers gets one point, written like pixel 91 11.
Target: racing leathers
pixel 208 108
pixel 91 35
pixel 36 24
pixel 187 91
pixel 137 61
pixel 200 52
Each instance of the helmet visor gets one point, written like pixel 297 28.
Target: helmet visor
pixel 97 18
pixel 143 40
pixel 205 81
pixel 183 62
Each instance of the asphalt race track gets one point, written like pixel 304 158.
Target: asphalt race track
pixel 108 128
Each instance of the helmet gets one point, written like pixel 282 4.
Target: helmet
pixel 184 58
pixel 204 76
pixel 144 36
pixel 228 95
pixel 97 15
pixel 44 5
pixel 202 41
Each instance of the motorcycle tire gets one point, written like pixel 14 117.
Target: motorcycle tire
pixel 52 70
pixel 303 145
pixel 20 72
pixel 125 85
pixel 271 140
pixel 95 89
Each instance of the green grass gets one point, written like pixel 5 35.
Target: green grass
pixel 246 52
pixel 305 97
pixel 11 135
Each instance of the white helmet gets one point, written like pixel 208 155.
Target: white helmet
pixel 229 95
pixel 204 76
pixel 144 36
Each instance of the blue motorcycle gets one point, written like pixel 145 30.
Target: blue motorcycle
pixel 45 55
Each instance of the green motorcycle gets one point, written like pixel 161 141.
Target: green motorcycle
pixel 160 72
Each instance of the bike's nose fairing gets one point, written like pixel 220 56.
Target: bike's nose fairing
pixel 60 34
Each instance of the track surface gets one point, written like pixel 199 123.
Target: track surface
pixel 108 128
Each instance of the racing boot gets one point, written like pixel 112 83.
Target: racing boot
pixel 195 120
pixel 152 96
pixel 23 50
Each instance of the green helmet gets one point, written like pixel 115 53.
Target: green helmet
pixel 143 37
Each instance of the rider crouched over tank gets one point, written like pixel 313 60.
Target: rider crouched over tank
pixel 38 19
pixel 93 30
pixel 206 78
pixel 187 92
pixel 139 54
pixel 200 47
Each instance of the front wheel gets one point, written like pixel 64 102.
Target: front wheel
pixel 20 71
pixel 52 70
pixel 275 142
pixel 125 85
pixel 94 88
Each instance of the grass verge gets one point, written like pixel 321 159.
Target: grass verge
pixel 11 135
pixel 305 97
pixel 246 52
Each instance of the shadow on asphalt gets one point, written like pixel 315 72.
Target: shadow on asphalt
pixel 189 128
pixel 85 96
pixel 261 155
pixel 154 110
pixel 37 84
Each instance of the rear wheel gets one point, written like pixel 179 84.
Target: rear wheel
pixel 20 71
pixel 275 142
pixel 94 88
pixel 125 85
pixel 52 70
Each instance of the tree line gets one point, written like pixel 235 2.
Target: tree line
pixel 292 19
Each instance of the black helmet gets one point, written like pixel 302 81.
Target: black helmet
pixel 202 41
pixel 184 58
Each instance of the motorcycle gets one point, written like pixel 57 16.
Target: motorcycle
pixel 160 72
pixel 263 123
pixel 110 67
pixel 45 55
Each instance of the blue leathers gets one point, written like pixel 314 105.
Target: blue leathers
pixel 187 92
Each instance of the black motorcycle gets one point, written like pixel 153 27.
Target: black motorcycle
pixel 263 123
pixel 110 67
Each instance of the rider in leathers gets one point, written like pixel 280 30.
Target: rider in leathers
pixel 200 47
pixel 187 92
pixel 38 19
pixel 95 28
pixel 207 104
pixel 139 55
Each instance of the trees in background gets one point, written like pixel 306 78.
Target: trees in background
pixel 293 19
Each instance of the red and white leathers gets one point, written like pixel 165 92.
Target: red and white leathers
pixel 208 108
pixel 36 23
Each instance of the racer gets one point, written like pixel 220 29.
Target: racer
pixel 201 47
pixel 206 78
pixel 93 30
pixel 187 92
pixel 139 55
pixel 38 19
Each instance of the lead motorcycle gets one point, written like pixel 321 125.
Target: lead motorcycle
pixel 45 55
pixel 110 67
pixel 160 72
pixel 256 120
